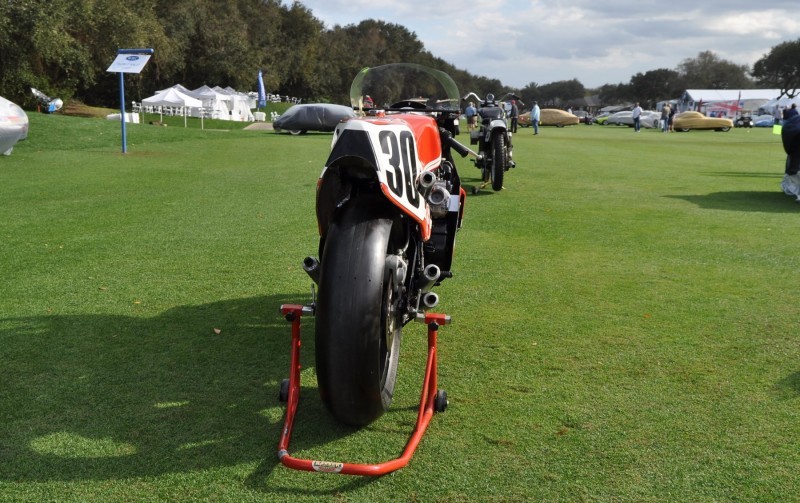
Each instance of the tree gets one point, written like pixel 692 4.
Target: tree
pixel 561 92
pixel 709 71
pixel 780 68
pixel 615 93
pixel 653 86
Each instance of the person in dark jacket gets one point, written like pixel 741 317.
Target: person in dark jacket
pixel 514 115
pixel 790 112
pixel 790 137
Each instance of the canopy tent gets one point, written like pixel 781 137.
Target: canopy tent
pixel 216 105
pixel 172 98
pixel 726 102
pixel 769 107
pixel 178 87
pixel 239 104
pixel 208 102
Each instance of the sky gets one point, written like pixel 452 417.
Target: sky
pixel 595 41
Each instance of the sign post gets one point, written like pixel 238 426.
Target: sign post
pixel 128 61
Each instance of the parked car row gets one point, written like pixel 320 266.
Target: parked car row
pixel 683 121
pixel 324 116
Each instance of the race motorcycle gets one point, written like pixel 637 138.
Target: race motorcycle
pixel 494 142
pixel 389 203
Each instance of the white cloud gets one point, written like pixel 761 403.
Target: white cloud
pixel 542 41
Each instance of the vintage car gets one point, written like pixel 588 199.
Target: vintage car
pixel 685 121
pixel 602 118
pixel 302 118
pixel 648 119
pixel 13 125
pixel 550 117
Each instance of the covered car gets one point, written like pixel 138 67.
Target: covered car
pixel 558 118
pixel 685 121
pixel 302 118
pixel 648 119
pixel 550 117
pixel 13 125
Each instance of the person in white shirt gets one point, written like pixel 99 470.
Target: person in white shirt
pixel 535 114
pixel 637 118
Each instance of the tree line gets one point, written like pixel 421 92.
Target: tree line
pixel 63 47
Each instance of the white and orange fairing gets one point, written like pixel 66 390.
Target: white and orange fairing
pixel 402 147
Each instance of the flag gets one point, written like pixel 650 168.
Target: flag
pixel 738 104
pixel 262 95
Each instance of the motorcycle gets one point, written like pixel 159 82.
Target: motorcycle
pixel 389 203
pixel 494 143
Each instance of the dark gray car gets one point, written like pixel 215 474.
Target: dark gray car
pixel 300 119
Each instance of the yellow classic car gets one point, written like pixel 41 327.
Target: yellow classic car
pixel 685 121
pixel 550 117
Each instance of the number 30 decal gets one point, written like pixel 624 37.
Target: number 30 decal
pixel 403 159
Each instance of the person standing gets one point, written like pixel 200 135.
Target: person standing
pixel 672 111
pixel 778 115
pixel 535 114
pixel 514 115
pixel 790 112
pixel 665 110
pixel 637 118
pixel 472 115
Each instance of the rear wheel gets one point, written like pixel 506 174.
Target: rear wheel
pixel 498 161
pixel 358 321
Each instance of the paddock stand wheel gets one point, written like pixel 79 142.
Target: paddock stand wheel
pixel 440 403
pixel 283 394
pixel 431 400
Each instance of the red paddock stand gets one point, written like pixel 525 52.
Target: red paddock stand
pixel 431 400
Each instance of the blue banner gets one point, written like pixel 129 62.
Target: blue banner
pixel 262 95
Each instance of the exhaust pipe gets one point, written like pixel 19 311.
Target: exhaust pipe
pixel 425 183
pixel 311 267
pixel 439 196
pixel 430 276
pixel 430 300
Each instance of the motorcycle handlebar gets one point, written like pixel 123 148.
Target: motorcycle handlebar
pixel 462 149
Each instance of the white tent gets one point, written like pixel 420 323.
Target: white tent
pixel 178 87
pixel 215 104
pixel 173 100
pixel 769 107
pixel 239 104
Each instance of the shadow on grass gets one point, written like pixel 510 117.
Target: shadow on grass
pixel 789 387
pixel 94 397
pixel 759 201
pixel 739 174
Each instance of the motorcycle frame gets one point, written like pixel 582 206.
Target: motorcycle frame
pixel 293 314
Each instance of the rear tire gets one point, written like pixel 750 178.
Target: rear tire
pixel 498 161
pixel 358 323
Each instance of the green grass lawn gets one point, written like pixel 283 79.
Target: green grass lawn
pixel 625 324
